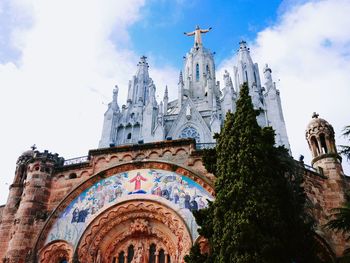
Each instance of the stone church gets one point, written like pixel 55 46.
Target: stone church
pixel 131 200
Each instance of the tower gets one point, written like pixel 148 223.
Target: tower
pixel 248 71
pixel 201 105
pixel 274 109
pixel 137 120
pixel 330 193
pixel 27 206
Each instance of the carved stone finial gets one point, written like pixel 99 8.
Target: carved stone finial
pixel 33 147
pixel 315 115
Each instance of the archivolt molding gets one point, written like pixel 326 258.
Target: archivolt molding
pixel 201 179
pixel 176 237
pixel 55 252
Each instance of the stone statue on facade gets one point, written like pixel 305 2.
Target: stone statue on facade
pixel 197 35
pixel 139 255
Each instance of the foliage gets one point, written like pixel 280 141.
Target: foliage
pixel 341 223
pixel 345 149
pixel 209 160
pixel 258 213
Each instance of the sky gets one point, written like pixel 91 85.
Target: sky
pixel 60 60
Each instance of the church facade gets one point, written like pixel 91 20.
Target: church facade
pixel 131 200
pixel 201 105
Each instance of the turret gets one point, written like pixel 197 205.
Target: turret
pixel 320 137
pixel 33 172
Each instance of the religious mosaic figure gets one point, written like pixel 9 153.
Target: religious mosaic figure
pixel 137 179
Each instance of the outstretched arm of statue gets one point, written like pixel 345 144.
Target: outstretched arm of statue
pixel 205 30
pixel 189 34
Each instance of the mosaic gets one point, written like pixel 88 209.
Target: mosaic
pixel 182 193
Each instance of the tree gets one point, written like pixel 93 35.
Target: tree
pixel 345 149
pixel 341 223
pixel 258 213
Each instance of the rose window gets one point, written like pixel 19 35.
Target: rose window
pixel 190 132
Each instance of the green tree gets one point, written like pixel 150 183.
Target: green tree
pixel 258 213
pixel 345 149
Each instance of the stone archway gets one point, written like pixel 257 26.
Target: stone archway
pixel 152 229
pixel 56 252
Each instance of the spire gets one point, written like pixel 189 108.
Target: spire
pixel 181 80
pixel 142 68
pixel 268 78
pixel 166 92
pixel 115 98
pixel 166 100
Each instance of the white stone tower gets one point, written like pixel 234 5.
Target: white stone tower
pixel 201 106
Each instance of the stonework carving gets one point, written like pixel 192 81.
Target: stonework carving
pixel 149 222
pixel 56 252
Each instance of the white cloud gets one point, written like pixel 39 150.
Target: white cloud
pixel 308 49
pixel 53 94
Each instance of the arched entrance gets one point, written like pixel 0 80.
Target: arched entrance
pixel 136 230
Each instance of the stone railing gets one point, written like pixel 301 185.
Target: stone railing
pixel 208 145
pixel 77 160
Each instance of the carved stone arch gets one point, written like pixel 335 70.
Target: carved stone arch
pixel 135 222
pixel 153 155
pixel 55 252
pixel 126 158
pixel 201 179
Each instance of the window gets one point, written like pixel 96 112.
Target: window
pixel 63 261
pixel 161 256
pixel 130 253
pixel 208 70
pixel 197 72
pixel 121 257
pixel 128 136
pixel 315 147
pixel 246 76
pixel 255 77
pixel 323 143
pixel 152 254
pixel 190 132
pixel 72 176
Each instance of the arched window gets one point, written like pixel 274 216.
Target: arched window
pixel 208 70
pixel 72 176
pixel 323 143
pixel 246 76
pixel 152 253
pixel 128 136
pixel 197 72
pixel 161 256
pixel 130 253
pixel 121 257
pixel 316 148
pixel 190 132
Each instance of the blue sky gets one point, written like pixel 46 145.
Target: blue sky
pixel 164 22
pixel 60 60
